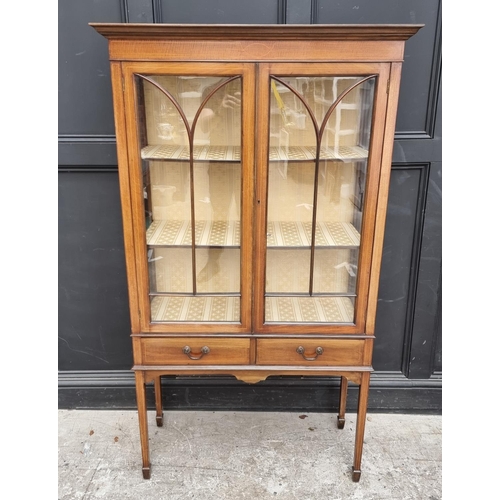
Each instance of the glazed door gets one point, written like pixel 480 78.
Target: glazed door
pixel 191 181
pixel 318 176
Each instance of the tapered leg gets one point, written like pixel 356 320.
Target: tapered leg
pixel 342 403
pixel 158 402
pixel 360 425
pixel 140 389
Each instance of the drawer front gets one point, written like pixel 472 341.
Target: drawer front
pixel 195 351
pixel 341 352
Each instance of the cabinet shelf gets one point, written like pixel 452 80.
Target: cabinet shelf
pixel 200 308
pixel 298 234
pixel 305 153
pixel 200 153
pixel 227 234
pixel 207 233
pixel 278 309
pixel 230 154
pixel 322 309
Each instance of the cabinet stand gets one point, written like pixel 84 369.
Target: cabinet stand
pixel 360 378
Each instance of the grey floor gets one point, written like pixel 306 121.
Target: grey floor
pixel 238 455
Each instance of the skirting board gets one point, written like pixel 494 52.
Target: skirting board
pixel 390 392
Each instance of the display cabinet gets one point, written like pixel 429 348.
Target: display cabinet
pixel 254 166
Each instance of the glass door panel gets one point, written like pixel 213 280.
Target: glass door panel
pixel 190 133
pixel 319 135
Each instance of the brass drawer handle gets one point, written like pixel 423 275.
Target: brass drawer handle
pixel 187 351
pixel 301 350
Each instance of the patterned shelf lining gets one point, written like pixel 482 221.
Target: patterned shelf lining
pixel 233 153
pixel 309 310
pixel 299 153
pixel 219 309
pixel 298 234
pixel 278 309
pixel 200 153
pixel 227 233
pixel 207 233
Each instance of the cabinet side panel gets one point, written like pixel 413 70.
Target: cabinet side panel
pixel 372 185
pixel 121 142
pixel 385 174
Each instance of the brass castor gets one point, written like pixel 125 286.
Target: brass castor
pixel 356 474
pixel 159 421
pixel 340 422
pixel 146 472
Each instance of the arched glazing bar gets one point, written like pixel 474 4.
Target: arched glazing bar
pixel 190 134
pixel 319 131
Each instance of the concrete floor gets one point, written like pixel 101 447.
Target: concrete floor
pixel 247 455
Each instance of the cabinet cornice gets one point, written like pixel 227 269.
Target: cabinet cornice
pixel 344 32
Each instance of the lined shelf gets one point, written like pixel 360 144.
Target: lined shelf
pixel 304 153
pixel 200 153
pixel 322 309
pixel 233 153
pixel 278 309
pixel 282 234
pixel 207 233
pixel 221 309
pixel 298 234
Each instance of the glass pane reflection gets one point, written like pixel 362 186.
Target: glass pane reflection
pixel 318 151
pixel 190 136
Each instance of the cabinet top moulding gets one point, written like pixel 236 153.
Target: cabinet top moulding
pixel 383 32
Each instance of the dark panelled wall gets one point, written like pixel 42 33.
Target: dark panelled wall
pixel 94 326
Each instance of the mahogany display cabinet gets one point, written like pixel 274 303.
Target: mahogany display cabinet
pixel 254 165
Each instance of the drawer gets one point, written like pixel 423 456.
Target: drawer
pixel 195 351
pixel 298 352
